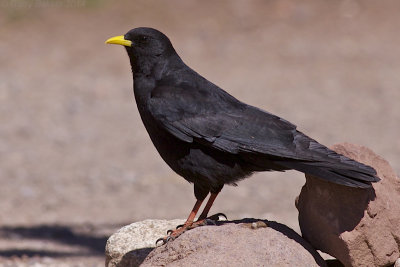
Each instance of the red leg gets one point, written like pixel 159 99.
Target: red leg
pixel 194 211
pixel 190 224
pixel 203 218
pixel 207 208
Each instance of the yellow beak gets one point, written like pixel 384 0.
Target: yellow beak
pixel 119 40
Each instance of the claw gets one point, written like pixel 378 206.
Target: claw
pixel 179 226
pixel 209 222
pixel 169 232
pixel 161 239
pixel 165 240
pixel 215 217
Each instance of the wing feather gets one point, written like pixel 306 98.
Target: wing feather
pixel 222 122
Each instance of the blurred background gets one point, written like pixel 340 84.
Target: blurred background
pixel 75 160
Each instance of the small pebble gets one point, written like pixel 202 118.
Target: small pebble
pixel 259 224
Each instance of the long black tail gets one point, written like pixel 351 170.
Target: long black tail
pixel 342 171
pixel 337 173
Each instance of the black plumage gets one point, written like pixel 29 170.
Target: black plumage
pixel 209 137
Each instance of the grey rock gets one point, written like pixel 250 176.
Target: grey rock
pixel 130 245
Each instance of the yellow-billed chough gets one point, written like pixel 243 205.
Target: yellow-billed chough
pixel 209 137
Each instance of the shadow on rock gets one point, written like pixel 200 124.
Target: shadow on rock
pixel 339 205
pixel 359 227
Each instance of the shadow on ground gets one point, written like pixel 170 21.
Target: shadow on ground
pixel 62 241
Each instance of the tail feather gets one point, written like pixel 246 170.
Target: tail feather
pixel 369 177
pixel 339 175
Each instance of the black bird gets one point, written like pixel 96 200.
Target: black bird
pixel 209 137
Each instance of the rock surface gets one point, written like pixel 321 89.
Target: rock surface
pixel 231 243
pixel 130 245
pixel 359 227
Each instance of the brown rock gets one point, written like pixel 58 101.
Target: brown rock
pixel 360 227
pixel 254 243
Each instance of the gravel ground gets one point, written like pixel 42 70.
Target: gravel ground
pixel 75 160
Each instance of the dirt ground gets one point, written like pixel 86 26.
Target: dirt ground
pixel 75 161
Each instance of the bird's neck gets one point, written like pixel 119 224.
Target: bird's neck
pixel 148 72
pixel 145 73
pixel 143 66
pixel 155 66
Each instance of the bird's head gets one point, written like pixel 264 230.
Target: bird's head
pixel 145 46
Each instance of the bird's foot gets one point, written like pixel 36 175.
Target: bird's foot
pixel 217 216
pixel 210 220
pixel 180 229
pixel 173 234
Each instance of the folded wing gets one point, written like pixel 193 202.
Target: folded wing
pixel 218 120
